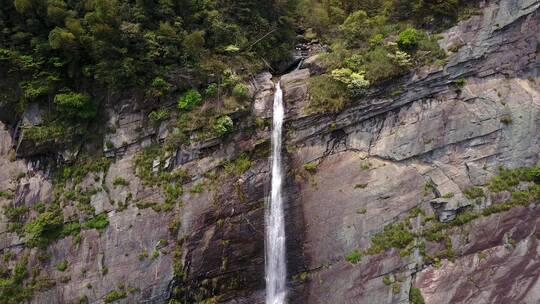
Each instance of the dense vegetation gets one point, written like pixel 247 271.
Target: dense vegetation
pixel 72 55
pixel 373 41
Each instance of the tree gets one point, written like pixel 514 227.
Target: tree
pixel 194 43
pixel 75 105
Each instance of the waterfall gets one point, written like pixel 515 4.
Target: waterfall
pixel 276 272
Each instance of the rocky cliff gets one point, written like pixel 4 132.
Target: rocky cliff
pixel 400 196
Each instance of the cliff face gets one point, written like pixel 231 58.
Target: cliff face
pixel 192 227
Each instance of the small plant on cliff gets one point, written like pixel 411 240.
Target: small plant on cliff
pixel 62 266
pixel 75 105
pixel 189 100
pixel 46 228
pixel 12 288
pixel 474 193
pixel 6 194
pixel 408 39
pixel 158 115
pixel 114 295
pixel 120 181
pixel 99 222
pixel 415 296
pixel 393 236
pixel 241 92
pixel 159 87
pixel 311 167
pixel 238 166
pixel 354 257
pixel 223 125
pixel 326 94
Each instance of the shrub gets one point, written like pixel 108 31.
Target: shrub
pixel 380 65
pixel 158 115
pixel 211 90
pixel 393 236
pixel 120 181
pixel 75 105
pixel 223 125
pixel 14 214
pixel 62 266
pixel 241 92
pixel 356 27
pixel 47 132
pixel 99 222
pixel 114 295
pixel 12 289
pixel 408 40
pixel 354 257
pixel 159 87
pixel 44 229
pixel 311 167
pixel 60 38
pixel 189 100
pixel 237 167
pixel 6 194
pixel 194 43
pixel 448 195
pixel 355 81
pixel 473 192
pixel 415 296
pixel 326 94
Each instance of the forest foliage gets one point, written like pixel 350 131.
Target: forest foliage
pixel 71 55
pixel 373 41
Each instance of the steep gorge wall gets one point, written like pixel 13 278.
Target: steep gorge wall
pixel 373 162
pixel 452 127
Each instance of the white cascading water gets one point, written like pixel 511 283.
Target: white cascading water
pixel 276 271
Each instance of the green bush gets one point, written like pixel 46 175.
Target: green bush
pixel 120 181
pixel 99 222
pixel 474 192
pixel 355 82
pixel 158 115
pixel 408 40
pixel 44 229
pixel 194 43
pixel 75 105
pixel 354 257
pixel 393 236
pixel 211 90
pixel 356 28
pixel 415 296
pixel 381 66
pixel 326 94
pixel 159 87
pixel 189 100
pixel 47 132
pixel 12 289
pixel 114 295
pixel 15 214
pixel 311 167
pixel 62 266
pixel 223 125
pixel 240 165
pixel 241 92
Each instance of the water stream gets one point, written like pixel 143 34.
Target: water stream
pixel 276 271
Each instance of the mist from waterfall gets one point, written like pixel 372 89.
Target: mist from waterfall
pixel 276 271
